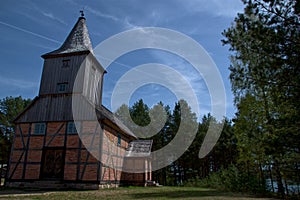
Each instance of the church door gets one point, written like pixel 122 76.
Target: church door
pixel 53 163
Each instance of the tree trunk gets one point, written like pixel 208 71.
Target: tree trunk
pixel 175 174
pixel 298 177
pixel 286 187
pixel 164 178
pixel 279 179
pixel 271 178
pixel 262 176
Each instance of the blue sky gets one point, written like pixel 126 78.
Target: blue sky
pixel 31 28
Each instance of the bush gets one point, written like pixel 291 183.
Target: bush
pixel 231 179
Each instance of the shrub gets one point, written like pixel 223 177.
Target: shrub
pixel 231 179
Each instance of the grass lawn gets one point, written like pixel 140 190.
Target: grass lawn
pixel 127 193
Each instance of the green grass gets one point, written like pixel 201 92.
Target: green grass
pixel 138 193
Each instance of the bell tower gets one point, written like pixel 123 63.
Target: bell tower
pixel 61 67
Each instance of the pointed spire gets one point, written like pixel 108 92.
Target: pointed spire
pixel 77 41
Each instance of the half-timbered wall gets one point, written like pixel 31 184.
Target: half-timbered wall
pixel 30 150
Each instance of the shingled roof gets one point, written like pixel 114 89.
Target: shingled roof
pixel 139 148
pixel 77 41
pixel 103 112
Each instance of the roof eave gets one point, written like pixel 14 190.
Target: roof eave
pixel 76 53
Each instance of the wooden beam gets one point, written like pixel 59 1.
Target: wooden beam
pixel 23 144
pixel 64 150
pixel 88 154
pixel 16 165
pixel 26 151
pixel 9 161
pixel 43 151
pixel 79 158
pixel 22 137
pixel 99 169
pixel 57 132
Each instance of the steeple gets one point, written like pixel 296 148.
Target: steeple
pixel 77 41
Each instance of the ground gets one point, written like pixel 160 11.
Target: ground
pixel 139 193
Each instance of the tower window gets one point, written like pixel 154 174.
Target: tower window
pixel 66 63
pixel 62 87
pixel 119 139
pixel 71 127
pixel 39 128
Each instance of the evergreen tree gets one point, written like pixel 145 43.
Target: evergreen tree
pixel 184 124
pixel 162 137
pixel 140 113
pixel 265 77
pixel 10 107
pixel 135 118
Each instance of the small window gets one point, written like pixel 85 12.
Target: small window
pixel 62 87
pixel 39 128
pixel 71 127
pixel 66 63
pixel 119 139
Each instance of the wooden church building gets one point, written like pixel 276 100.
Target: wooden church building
pixel 48 150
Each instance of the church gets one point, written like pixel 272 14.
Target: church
pixel 51 149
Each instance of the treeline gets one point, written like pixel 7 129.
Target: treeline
pixel 238 161
pixel 188 166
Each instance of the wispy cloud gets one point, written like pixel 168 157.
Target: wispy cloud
pixel 95 12
pixel 24 13
pixel 152 19
pixel 101 14
pixel 51 16
pixel 21 84
pixel 29 32
pixel 224 8
pixel 128 24
pixel 32 11
pixel 193 77
pixel 50 48
pixel 182 66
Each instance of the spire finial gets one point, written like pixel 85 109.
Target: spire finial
pixel 81 13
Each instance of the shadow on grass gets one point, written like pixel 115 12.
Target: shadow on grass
pixel 13 191
pixel 128 193
pixel 182 193
pixel 26 191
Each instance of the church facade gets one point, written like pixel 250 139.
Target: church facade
pixel 48 150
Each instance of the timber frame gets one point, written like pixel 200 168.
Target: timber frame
pixel 79 166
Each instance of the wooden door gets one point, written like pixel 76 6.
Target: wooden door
pixel 53 164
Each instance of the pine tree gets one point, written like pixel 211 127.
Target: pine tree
pixel 265 77
pixel 10 107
